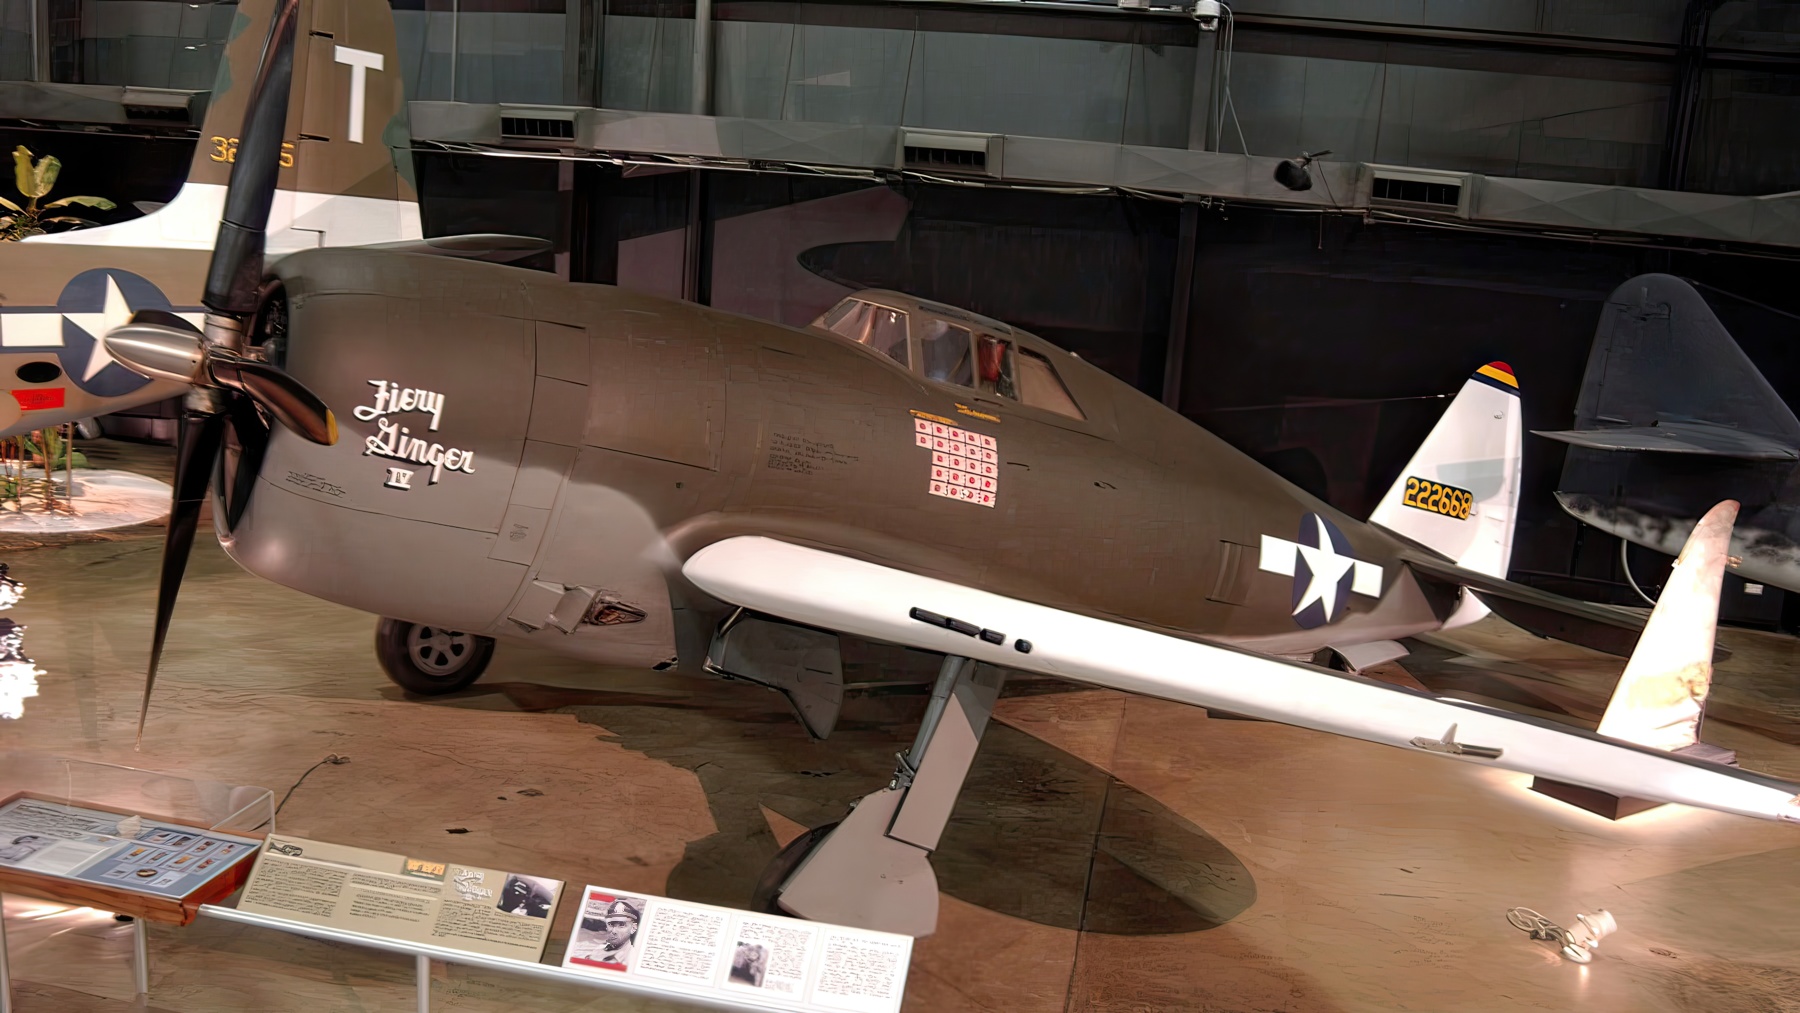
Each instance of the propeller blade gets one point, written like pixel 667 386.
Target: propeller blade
pixel 238 470
pixel 235 274
pixel 284 397
pixel 196 444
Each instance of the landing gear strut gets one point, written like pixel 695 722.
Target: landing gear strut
pixel 871 870
pixel 430 660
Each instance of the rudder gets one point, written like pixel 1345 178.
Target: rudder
pixel 346 177
pixel 1459 495
pixel 1660 353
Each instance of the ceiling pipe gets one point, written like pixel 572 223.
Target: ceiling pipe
pixel 1684 92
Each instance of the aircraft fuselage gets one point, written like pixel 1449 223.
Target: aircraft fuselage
pixel 58 303
pixel 1654 500
pixel 507 436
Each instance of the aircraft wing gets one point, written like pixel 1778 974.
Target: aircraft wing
pixel 832 591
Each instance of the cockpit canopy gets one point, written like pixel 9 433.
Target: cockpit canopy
pixel 952 346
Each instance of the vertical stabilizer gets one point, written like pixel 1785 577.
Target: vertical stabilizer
pixel 1459 495
pixel 1660 697
pixel 1660 355
pixel 346 174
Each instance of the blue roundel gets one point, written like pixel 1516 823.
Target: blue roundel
pixel 1324 571
pixel 92 303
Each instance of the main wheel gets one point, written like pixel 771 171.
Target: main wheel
pixel 430 660
pixel 768 885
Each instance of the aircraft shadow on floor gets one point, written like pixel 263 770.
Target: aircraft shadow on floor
pixel 1037 834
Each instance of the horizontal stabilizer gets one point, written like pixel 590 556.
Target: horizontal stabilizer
pixel 1596 627
pixel 832 591
pixel 1680 438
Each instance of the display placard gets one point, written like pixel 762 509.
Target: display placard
pixel 464 907
pixel 700 949
pixel 93 856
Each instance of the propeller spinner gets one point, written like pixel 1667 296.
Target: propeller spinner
pixel 226 382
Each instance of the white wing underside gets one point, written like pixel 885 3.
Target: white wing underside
pixel 835 592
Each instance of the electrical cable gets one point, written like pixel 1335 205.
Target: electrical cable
pixel 1228 47
pixel 333 759
pixel 1526 920
pixel 1577 946
pixel 1349 402
pixel 1625 564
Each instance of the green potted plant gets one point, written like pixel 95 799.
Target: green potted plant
pixel 35 178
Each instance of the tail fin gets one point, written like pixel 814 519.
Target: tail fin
pixel 347 179
pixel 1659 699
pixel 1665 375
pixel 1459 495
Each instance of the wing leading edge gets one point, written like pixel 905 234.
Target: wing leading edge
pixel 832 591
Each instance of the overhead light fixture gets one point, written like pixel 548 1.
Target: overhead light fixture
pixel 1577 944
pixel 1292 172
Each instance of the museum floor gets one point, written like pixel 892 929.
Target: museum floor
pixel 1109 853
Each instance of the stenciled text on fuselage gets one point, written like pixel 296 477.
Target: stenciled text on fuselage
pixel 391 399
pixel 396 442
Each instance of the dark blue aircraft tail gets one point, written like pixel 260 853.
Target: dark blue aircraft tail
pixel 1665 376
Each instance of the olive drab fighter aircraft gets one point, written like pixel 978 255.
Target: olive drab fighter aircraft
pixel 639 481
pixel 345 179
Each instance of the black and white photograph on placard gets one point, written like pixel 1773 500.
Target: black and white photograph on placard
pixel 19 848
pixel 606 933
pixel 750 963
pixel 531 896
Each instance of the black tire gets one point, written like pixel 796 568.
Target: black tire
pixel 430 660
pixel 768 885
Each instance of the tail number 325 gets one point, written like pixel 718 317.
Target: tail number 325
pixel 224 149
pixel 1438 498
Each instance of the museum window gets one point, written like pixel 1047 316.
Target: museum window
pixel 944 351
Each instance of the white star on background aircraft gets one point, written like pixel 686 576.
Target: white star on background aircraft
pixel 114 313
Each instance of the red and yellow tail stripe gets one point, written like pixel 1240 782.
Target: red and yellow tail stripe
pixel 1498 374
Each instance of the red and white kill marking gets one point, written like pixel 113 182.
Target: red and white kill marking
pixel 964 465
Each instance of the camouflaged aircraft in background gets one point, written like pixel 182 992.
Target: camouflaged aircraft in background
pixel 1672 417
pixel 634 480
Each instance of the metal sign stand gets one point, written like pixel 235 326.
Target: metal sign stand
pixel 5 971
pixel 140 965
pixel 424 953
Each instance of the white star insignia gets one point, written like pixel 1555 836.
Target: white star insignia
pixel 1327 569
pixel 114 313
